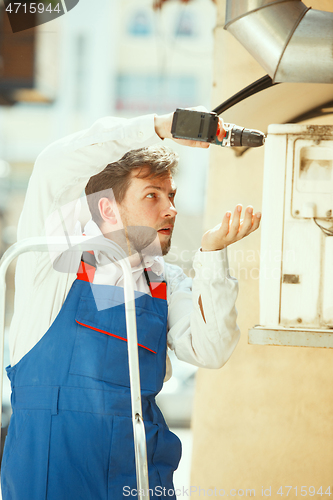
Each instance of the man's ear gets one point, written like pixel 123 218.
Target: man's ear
pixel 107 211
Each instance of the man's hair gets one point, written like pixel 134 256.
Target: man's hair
pixel 114 180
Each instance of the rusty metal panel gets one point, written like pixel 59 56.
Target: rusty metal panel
pixel 291 337
pixel 293 279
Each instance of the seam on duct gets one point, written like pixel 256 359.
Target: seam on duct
pixel 289 38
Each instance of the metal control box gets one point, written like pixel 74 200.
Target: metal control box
pixel 296 264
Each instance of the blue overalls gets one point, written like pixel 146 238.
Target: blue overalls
pixel 70 436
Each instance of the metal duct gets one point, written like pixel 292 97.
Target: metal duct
pixel 292 42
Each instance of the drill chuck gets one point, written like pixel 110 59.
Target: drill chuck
pixel 240 136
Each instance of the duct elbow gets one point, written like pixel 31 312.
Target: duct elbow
pixel 308 57
pixel 291 42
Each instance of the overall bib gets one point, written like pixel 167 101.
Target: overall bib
pixel 70 436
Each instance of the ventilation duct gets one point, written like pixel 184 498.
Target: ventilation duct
pixel 292 42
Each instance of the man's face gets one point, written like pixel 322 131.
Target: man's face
pixel 150 202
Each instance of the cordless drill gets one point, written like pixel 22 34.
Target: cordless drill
pixel 204 126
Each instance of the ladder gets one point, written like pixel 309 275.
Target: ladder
pixel 84 243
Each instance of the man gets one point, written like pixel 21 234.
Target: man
pixel 70 436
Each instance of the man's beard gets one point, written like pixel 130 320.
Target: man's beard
pixel 141 240
pixel 166 247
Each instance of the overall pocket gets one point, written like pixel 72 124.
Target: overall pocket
pixel 24 469
pixel 100 349
pixel 122 471
pixel 79 456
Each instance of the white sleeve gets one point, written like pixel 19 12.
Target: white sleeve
pixel 206 343
pixel 63 169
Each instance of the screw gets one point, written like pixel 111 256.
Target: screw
pixel 329 213
pixel 299 320
pixel 296 212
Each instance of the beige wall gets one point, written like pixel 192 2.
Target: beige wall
pixel 266 418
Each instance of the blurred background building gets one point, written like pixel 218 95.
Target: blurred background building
pixel 111 57
pixel 117 58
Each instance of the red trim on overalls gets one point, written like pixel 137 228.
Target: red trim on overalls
pixel 86 272
pixel 111 334
pixel 158 289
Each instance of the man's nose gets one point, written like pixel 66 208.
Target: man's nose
pixel 169 210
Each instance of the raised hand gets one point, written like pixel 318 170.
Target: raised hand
pixel 163 129
pixel 231 230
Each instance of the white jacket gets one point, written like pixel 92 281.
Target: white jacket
pixel 59 177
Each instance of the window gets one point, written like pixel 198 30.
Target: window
pixel 140 24
pixel 17 55
pixel 144 93
pixel 186 24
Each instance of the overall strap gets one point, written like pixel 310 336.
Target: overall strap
pixel 87 267
pixel 157 285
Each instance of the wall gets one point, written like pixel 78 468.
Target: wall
pixel 265 419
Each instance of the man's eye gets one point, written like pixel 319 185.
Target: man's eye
pixel 150 195
pixel 172 195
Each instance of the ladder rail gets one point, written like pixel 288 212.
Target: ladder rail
pixel 84 243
